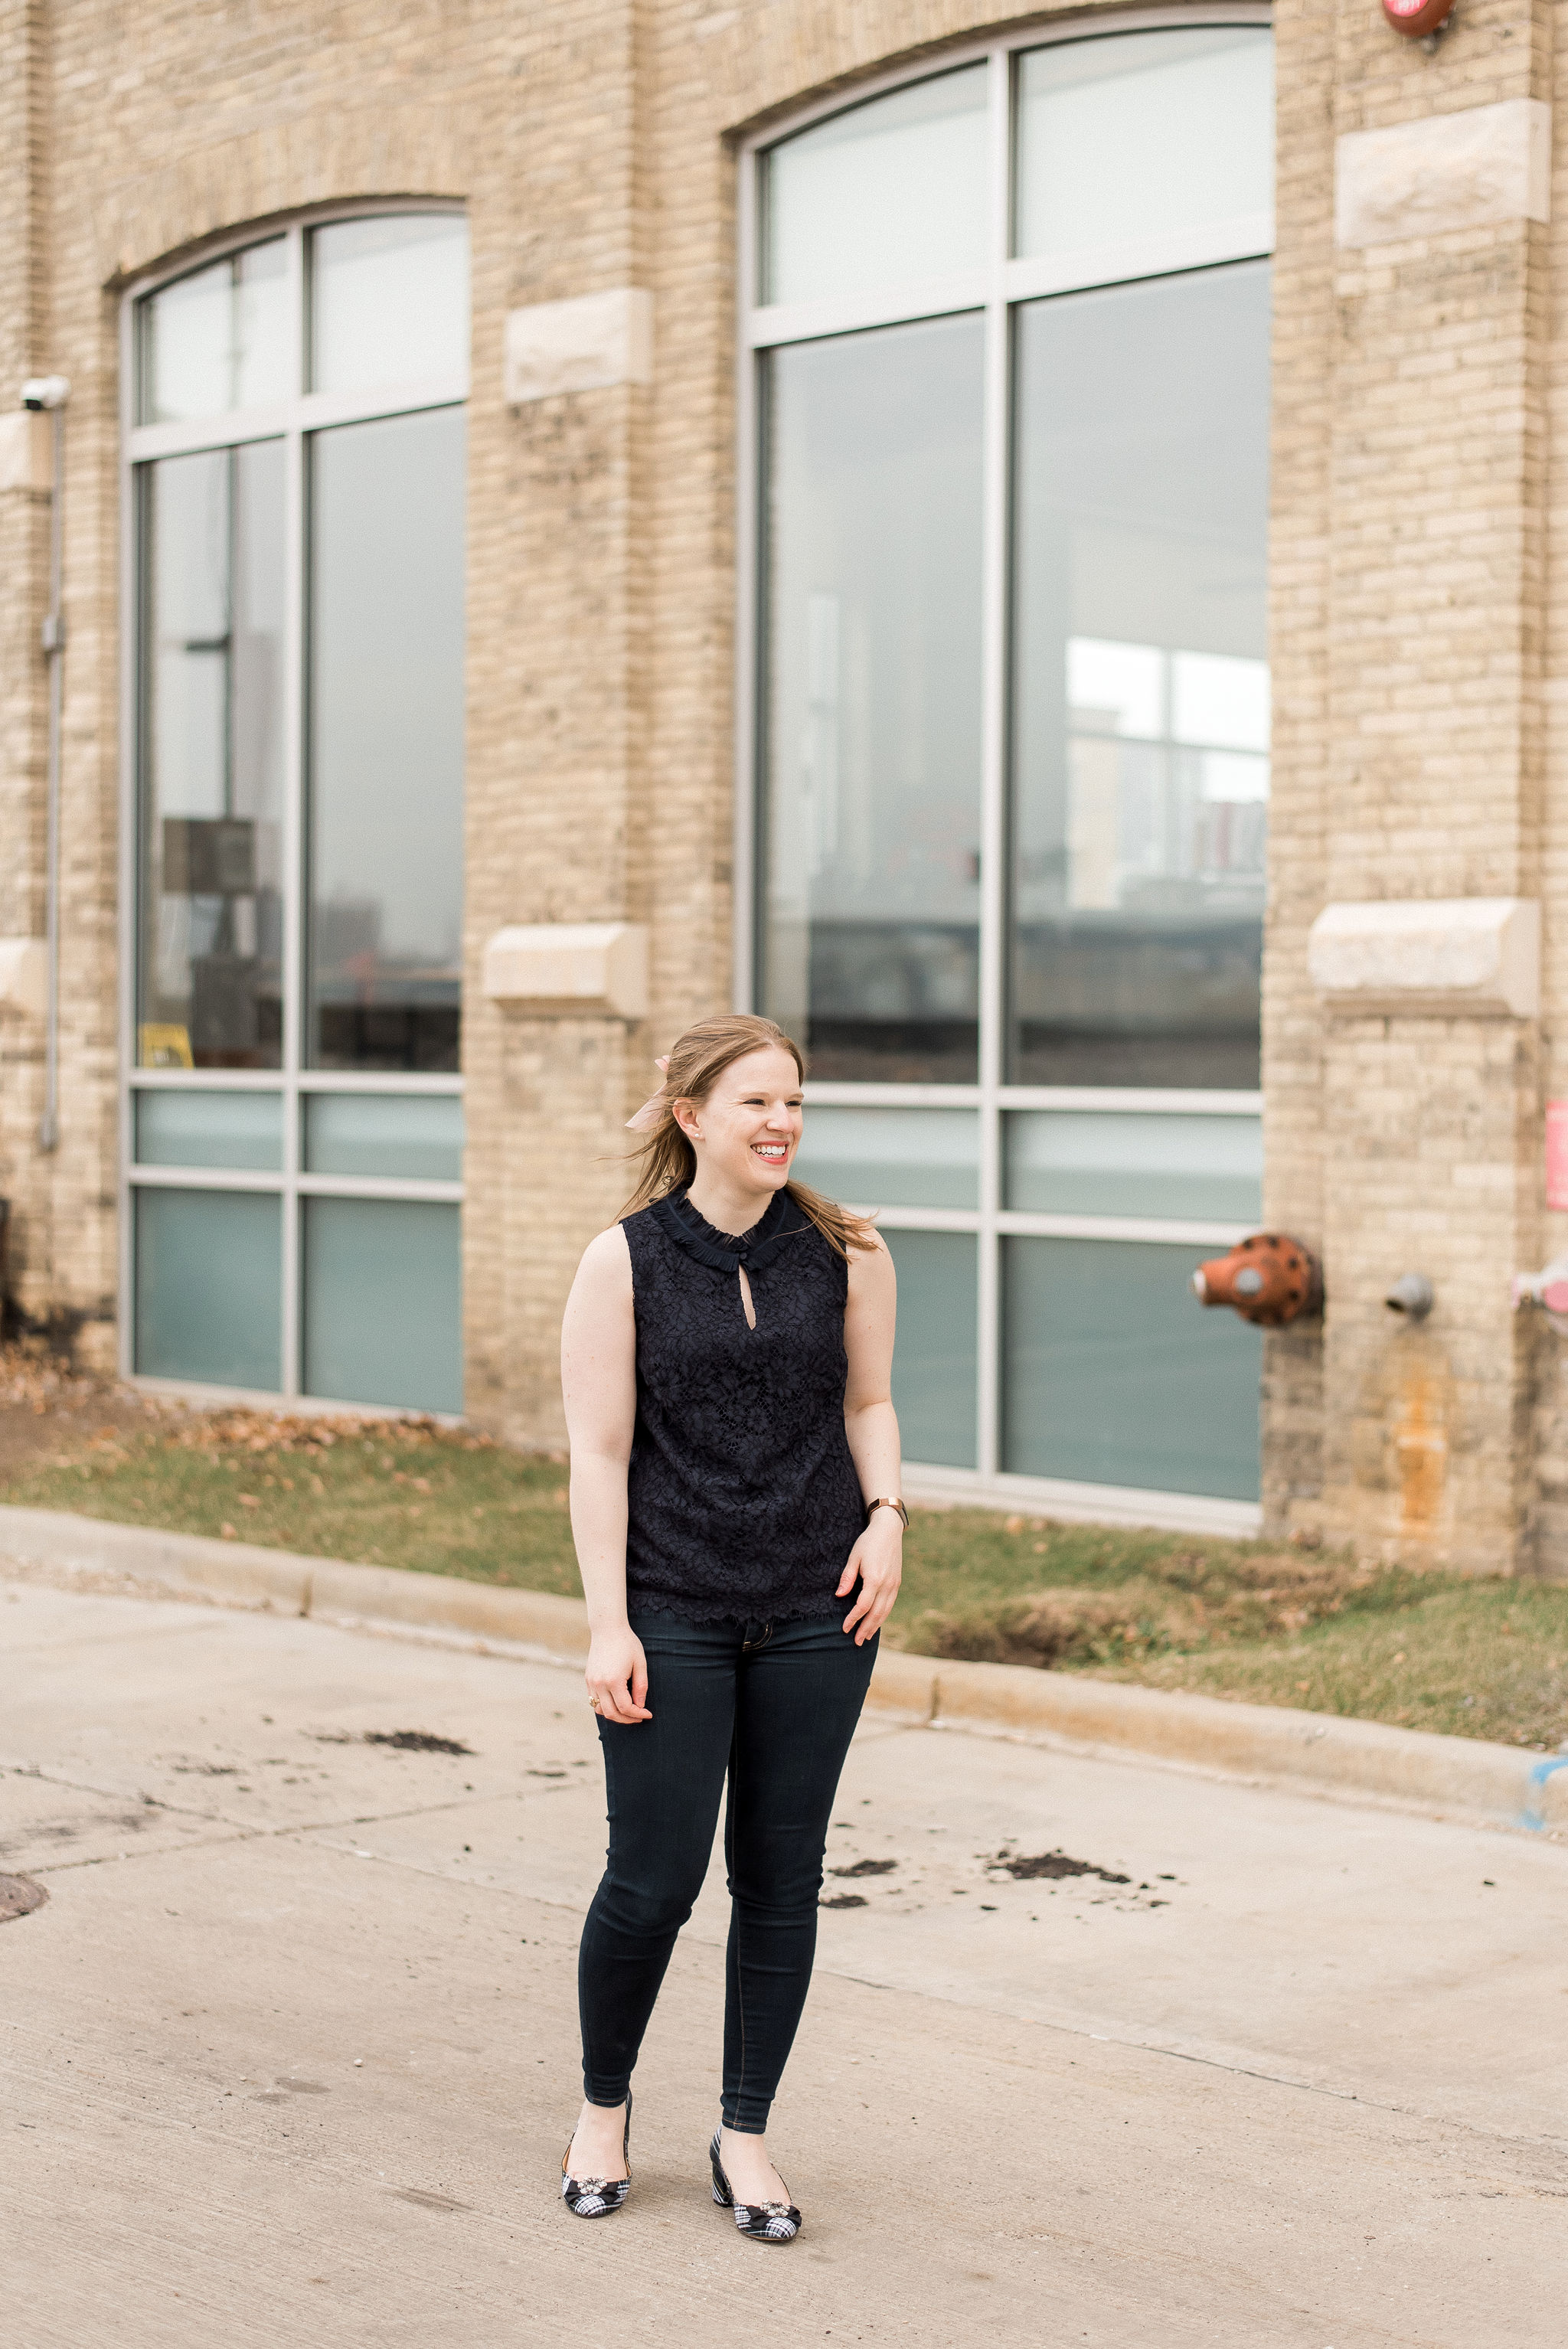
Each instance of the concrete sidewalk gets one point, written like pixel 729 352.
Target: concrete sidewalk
pixel 1456 1777
pixel 289 2054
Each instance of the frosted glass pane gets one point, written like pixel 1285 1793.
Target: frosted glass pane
pixel 385 814
pixel 210 758
pixel 1141 135
pixel 892 1157
pixel 1059 1162
pixel 872 908
pixel 417 1137
pixel 218 340
pixel 208 1287
pixel 199 1129
pixel 383 1303
pixel 934 1356
pixel 890 191
pixel 1114 1374
pixel 389 301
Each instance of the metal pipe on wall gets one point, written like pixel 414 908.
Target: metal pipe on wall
pixel 51 392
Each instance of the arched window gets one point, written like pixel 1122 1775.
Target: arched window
pixel 1006 387
pixel 294 1119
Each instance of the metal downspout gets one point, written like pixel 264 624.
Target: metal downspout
pixel 52 392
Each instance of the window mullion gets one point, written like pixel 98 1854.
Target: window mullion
pixel 993 775
pixel 293 824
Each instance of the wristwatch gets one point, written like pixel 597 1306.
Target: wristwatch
pixel 903 1513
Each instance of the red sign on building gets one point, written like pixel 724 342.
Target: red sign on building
pixel 1557 1155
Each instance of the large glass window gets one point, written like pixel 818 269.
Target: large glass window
pixel 1010 333
pixel 872 772
pixel 1141 694
pixel 211 528
pixel 387 742
pixel 295 1122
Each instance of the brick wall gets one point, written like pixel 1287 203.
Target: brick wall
pixel 1409 634
pixel 23 570
pixel 1416 641
pixel 590 144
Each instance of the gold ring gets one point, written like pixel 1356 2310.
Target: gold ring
pixel 592 1704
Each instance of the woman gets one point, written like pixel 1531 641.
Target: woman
pixel 725 1358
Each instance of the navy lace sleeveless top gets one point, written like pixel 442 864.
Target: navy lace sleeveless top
pixel 743 1500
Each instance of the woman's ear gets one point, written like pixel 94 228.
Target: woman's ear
pixel 683 1112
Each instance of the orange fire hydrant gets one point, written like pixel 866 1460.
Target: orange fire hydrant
pixel 1268 1278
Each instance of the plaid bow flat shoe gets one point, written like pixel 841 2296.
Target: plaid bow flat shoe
pixel 596 2197
pixel 763 2222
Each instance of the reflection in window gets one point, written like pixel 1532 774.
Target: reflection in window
pixel 890 191
pixel 872 751
pixel 387 742
pixel 217 340
pixel 212 759
pixel 1141 689
pixel 1168 770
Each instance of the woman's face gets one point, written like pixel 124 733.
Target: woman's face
pixel 748 1128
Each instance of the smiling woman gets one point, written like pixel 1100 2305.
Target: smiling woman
pixel 727 1357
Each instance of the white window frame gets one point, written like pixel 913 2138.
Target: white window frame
pixel 995 290
pixel 292 420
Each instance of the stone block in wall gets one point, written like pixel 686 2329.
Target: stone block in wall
pixel 23 977
pixel 26 451
pixel 585 344
pixel 1473 169
pixel 1451 956
pixel 570 968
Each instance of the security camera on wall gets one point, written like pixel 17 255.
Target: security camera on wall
pixel 41 391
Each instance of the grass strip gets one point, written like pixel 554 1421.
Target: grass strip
pixel 1273 1624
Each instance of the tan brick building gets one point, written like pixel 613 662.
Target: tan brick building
pixel 580 514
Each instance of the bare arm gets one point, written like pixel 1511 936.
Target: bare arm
pixel 599 1385
pixel 871 1424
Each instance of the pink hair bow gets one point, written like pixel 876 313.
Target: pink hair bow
pixel 647 1117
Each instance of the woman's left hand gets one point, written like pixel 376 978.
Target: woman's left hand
pixel 877 1562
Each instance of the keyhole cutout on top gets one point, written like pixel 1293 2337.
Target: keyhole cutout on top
pixel 746 1307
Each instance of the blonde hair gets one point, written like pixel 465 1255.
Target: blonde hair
pixel 694 1064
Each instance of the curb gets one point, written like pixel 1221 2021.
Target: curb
pixel 1322 1752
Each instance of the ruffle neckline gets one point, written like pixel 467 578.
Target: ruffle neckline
pixel 781 1222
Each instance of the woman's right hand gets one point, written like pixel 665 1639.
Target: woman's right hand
pixel 618 1676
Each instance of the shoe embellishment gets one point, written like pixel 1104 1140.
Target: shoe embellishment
pixel 761 2222
pixel 596 2197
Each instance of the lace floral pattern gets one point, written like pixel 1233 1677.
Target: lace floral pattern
pixel 744 1503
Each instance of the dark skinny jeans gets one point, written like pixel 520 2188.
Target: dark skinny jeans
pixel 773 1707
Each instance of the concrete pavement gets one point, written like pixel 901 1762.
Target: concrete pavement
pixel 1495 1785
pixel 289 2054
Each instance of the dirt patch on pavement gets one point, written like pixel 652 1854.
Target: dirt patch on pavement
pixel 1025 1868
pixel 415 1741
